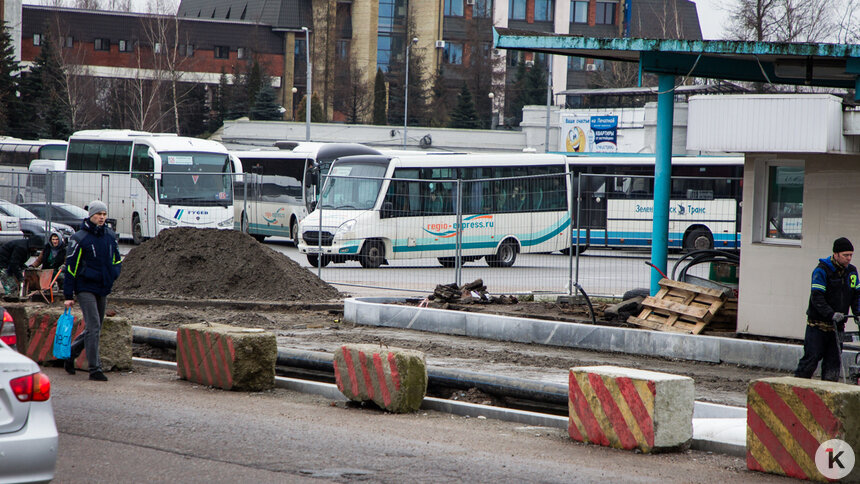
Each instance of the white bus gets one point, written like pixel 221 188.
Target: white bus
pixel 152 181
pixel 15 158
pixel 280 185
pixel 377 208
pixel 617 201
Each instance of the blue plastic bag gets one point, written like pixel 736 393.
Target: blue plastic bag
pixel 63 335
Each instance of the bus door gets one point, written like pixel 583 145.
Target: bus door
pixel 252 191
pixel 478 217
pixel 402 219
pixel 592 211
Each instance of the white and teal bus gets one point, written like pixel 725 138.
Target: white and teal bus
pixel 379 208
pixel 280 185
pixel 151 181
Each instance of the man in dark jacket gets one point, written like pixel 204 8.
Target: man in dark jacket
pixel 835 290
pixel 92 266
pixel 53 257
pixel 13 259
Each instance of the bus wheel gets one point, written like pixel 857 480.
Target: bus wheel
pixel 372 255
pixel 506 255
pixel 259 238
pixel 136 231
pixel 317 260
pixel 699 239
pixel 294 231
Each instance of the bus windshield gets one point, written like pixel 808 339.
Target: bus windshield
pixel 357 192
pixel 194 178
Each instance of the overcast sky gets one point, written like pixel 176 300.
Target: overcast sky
pixel 711 18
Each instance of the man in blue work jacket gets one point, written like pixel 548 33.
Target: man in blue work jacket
pixel 92 265
pixel 834 291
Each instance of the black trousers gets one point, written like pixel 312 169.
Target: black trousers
pixel 819 345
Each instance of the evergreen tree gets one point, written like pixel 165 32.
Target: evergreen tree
pixel 317 113
pixel 8 80
pixel 220 101
pixel 529 88
pixel 193 116
pixel 379 116
pixel 300 109
pixel 464 114
pixel 44 93
pixel 265 106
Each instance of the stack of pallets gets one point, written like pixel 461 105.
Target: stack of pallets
pixel 679 307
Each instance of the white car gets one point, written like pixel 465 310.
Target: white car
pixel 10 229
pixel 28 432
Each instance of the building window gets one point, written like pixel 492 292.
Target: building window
pixel 342 49
pixel 124 45
pixel 301 51
pixel 579 12
pixel 453 8
pixel 517 9
pixel 37 39
pixel 482 9
pixel 605 13
pixel 515 57
pixel 101 44
pixel 241 53
pixel 576 63
pixel 544 10
pixel 69 42
pixel 222 52
pixel 187 50
pixel 157 48
pixel 784 201
pixel 453 53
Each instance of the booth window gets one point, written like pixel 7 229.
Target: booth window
pixel 784 210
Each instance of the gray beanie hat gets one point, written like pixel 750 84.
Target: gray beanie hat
pixel 96 206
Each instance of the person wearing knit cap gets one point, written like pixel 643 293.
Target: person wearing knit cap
pixel 834 292
pixel 92 265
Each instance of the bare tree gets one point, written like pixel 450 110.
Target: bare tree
pixel 352 97
pixel 785 20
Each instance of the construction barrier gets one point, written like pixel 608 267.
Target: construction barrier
pixel 788 420
pixel 226 357
pixel 36 337
pixel 630 409
pixel 394 379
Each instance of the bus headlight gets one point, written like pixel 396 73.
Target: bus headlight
pixel 166 221
pixel 344 228
pixel 226 223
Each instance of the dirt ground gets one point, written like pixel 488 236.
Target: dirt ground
pixel 182 265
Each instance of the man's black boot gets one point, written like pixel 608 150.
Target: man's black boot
pixel 98 376
pixel 69 366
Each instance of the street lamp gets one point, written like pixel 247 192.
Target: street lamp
pixel 406 91
pixel 492 108
pixel 293 103
pixel 308 90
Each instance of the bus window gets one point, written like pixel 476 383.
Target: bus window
pixel 90 157
pixel 122 157
pixel 142 166
pixel 52 152
pixel 105 156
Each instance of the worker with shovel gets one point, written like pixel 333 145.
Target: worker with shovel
pixel 834 291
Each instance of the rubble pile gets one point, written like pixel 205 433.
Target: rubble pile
pixel 189 263
pixel 474 292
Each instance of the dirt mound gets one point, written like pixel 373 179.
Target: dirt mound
pixel 187 263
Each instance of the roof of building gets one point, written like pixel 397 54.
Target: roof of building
pixel 828 65
pixel 87 25
pixel 662 19
pixel 283 14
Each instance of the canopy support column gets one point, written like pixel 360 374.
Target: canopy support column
pixel 662 178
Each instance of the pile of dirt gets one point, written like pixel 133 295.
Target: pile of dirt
pixel 188 263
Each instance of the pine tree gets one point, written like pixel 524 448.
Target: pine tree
pixel 8 80
pixel 529 88
pixel 44 93
pixel 379 116
pixel 317 113
pixel 464 114
pixel 265 106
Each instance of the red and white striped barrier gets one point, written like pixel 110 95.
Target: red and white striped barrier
pixel 394 379
pixel 226 357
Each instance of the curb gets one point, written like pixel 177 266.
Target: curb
pixel 384 312
pixel 229 303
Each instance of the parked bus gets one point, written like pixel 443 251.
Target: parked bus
pixel 377 208
pixel 617 201
pixel 152 181
pixel 280 185
pixel 15 158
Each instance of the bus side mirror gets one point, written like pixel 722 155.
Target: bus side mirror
pixel 387 210
pixel 313 205
pixel 310 179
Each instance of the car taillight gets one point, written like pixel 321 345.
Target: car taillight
pixel 8 336
pixel 32 388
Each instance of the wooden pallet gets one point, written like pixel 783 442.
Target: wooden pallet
pixel 679 307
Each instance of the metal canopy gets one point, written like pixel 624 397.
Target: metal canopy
pixel 825 65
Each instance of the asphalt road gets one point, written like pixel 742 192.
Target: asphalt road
pixel 148 426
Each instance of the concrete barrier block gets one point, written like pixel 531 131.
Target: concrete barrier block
pixel 37 325
pixel 226 357
pixel 789 418
pixel 394 379
pixel 630 409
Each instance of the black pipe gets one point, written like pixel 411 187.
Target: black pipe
pixel 502 386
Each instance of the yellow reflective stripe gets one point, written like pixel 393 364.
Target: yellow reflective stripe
pixel 77 264
pixel 819 286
